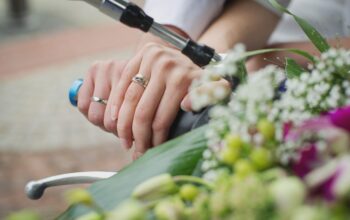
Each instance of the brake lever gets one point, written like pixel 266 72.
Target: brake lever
pixel 35 189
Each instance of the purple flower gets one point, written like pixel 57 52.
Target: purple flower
pixel 307 160
pixel 331 181
pixel 317 141
pixel 286 129
pixel 341 118
pixel 311 126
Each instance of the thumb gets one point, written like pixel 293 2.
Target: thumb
pixel 211 93
pixel 186 103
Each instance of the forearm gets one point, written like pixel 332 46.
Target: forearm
pixel 241 21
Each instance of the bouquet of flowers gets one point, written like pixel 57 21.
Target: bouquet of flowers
pixel 277 148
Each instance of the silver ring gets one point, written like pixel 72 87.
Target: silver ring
pixel 99 100
pixel 140 79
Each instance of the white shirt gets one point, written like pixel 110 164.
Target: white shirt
pixel 191 16
pixel 330 17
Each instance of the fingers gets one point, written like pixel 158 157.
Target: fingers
pixel 218 89
pixel 186 103
pixel 142 64
pixel 109 121
pixel 86 91
pixel 102 89
pixel 127 96
pixel 145 112
pixel 130 70
pixel 170 104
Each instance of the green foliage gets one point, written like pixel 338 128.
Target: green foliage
pixel 177 157
pixel 315 37
pixel 293 69
pixel 23 215
pixel 291 50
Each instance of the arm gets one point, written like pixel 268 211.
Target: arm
pixel 104 79
pixel 144 115
pixel 242 21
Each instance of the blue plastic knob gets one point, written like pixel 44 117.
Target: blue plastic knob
pixel 73 91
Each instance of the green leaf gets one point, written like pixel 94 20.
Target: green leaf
pixel 291 50
pixel 315 37
pixel 177 157
pixel 293 69
pixel 242 72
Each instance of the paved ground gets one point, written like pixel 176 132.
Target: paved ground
pixel 40 133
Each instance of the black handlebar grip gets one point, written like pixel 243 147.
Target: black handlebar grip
pixel 135 17
pixel 198 53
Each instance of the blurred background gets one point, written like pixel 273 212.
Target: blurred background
pixel 44 47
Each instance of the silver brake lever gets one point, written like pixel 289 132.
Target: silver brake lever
pixel 35 189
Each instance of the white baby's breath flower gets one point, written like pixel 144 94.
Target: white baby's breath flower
pixel 210 175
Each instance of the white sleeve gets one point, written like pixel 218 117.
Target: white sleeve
pixel 347 18
pixel 191 16
pixel 268 5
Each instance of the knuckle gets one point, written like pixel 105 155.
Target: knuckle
pixel 118 66
pixel 83 106
pixel 159 125
pixel 124 130
pixel 153 50
pixel 127 72
pixel 109 64
pixel 95 65
pixel 180 80
pixel 166 63
pixel 109 124
pixel 131 95
pixel 141 116
pixel 150 46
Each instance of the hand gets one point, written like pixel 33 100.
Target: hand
pixel 98 82
pixel 146 115
pixel 133 112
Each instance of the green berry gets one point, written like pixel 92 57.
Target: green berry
pixel 79 196
pixel 188 192
pixel 170 209
pixel 128 210
pixel 233 141
pixel 266 129
pixel 229 155
pixel 91 216
pixel 261 158
pixel 243 168
pixel 23 215
pixel 155 188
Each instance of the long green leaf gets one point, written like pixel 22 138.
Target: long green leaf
pixel 315 37
pixel 293 69
pixel 177 157
pixel 291 50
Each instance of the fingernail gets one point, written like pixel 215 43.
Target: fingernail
pixel 126 144
pixel 137 155
pixel 185 105
pixel 114 112
pixel 185 109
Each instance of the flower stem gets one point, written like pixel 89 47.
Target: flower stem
pixel 98 210
pixel 193 179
